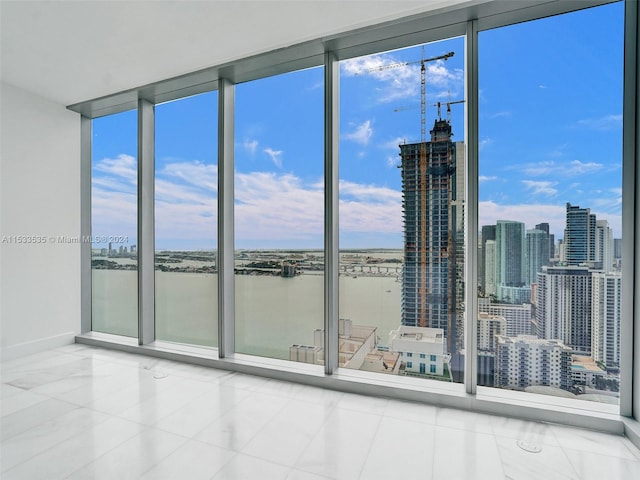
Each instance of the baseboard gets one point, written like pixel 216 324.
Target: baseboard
pixel 632 430
pixel 12 352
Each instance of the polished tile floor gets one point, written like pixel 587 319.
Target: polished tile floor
pixel 79 412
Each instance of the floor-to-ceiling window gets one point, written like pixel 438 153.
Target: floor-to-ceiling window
pixel 114 223
pixel 402 164
pixel 550 198
pixel 278 212
pixel 186 236
pixel 549 251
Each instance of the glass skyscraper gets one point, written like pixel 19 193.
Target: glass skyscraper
pixel 429 193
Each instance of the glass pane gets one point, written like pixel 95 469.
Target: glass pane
pixel 550 205
pixel 279 217
pixel 114 224
pixel 402 163
pixel 186 220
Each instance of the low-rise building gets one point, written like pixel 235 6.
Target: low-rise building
pixel 357 349
pixel 421 349
pixel 526 360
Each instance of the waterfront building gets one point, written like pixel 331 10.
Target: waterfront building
pixel 563 306
pixel 526 360
pixel 357 349
pixel 421 349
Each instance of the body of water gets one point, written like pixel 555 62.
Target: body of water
pixel 272 312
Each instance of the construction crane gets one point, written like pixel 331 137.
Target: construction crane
pixel 422 290
pixel 423 85
pixel 448 104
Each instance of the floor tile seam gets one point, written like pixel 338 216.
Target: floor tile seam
pixel 10 395
pixel 306 449
pixel 60 441
pixel 497 447
pixel 423 422
pixel 215 379
pixel 168 389
pixel 604 454
pixel 217 417
pixel 433 462
pixel 464 429
pixel 187 439
pixel 313 436
pixel 262 459
pixel 2 415
pixel 108 451
pixel 44 421
pixel 61 392
pixel 568 458
pixel 536 439
pixel 239 448
pixel 371 442
pixel 193 437
pixel 271 391
pixel 615 457
pixel 173 411
pixel 143 395
pixel 576 430
pixel 294 469
pixel 26 364
pixel 264 425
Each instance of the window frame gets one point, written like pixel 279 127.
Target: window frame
pixel 458 20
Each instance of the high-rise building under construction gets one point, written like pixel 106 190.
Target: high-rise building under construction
pixel 430 206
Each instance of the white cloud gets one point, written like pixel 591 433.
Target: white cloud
pixel 486 178
pixel 394 143
pixel 485 142
pixel 539 168
pixel 250 145
pixel 392 161
pixel 361 134
pixel 503 114
pixel 402 80
pixel 530 214
pixel 567 169
pixel 543 187
pixel 607 122
pixel 275 155
pixel 369 193
pixel 195 173
pixel 124 167
pixel 580 168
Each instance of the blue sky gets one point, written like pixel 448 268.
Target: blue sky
pixel 550 133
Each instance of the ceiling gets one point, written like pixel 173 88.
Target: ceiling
pixel 72 51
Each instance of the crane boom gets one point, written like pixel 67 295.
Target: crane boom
pixel 448 104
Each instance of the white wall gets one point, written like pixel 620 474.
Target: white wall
pixel 39 196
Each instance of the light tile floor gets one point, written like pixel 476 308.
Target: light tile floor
pixel 79 412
